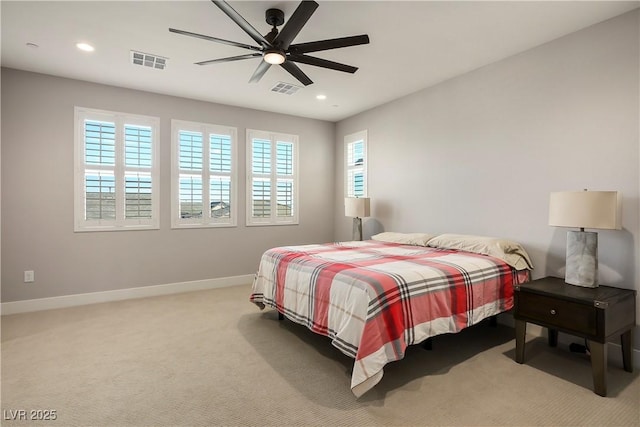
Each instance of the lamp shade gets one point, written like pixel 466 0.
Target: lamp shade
pixel 356 207
pixel 586 209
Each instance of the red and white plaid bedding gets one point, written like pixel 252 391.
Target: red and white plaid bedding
pixel 373 299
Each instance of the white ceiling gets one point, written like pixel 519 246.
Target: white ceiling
pixel 413 45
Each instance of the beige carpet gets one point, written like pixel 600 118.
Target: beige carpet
pixel 212 358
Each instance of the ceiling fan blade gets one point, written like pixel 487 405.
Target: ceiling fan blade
pixel 229 59
pixel 259 72
pixel 329 44
pixel 242 23
pixel 214 39
pixel 296 72
pixel 324 63
pixel 295 23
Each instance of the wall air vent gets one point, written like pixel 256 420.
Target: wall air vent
pixel 286 88
pixel 148 60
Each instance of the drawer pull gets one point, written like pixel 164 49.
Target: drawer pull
pixel 553 311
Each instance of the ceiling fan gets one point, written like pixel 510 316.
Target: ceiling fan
pixel 275 48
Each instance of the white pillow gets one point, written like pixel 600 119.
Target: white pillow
pixel 510 252
pixel 416 239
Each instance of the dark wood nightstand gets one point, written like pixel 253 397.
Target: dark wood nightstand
pixel 596 314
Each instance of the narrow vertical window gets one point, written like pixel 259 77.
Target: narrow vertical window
pixel 355 173
pixel 204 171
pixel 116 179
pixel 272 187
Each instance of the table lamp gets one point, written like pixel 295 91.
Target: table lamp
pixel 584 209
pixel 357 208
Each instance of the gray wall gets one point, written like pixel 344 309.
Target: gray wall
pixel 479 154
pixel 37 194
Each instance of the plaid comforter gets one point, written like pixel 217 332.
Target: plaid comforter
pixel 373 299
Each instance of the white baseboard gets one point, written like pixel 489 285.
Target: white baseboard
pixel 614 350
pixel 121 294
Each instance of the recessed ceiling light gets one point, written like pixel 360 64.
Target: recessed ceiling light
pixel 84 46
pixel 321 97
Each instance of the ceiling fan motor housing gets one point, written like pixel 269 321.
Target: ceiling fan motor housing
pixel 274 17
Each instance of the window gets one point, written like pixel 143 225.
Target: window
pixel 116 171
pixel 204 175
pixel 272 184
pixel 355 160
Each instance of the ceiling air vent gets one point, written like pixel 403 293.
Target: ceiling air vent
pixel 148 60
pixel 286 88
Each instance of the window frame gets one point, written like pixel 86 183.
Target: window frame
pixel 274 138
pixel 348 140
pixel 119 169
pixel 207 129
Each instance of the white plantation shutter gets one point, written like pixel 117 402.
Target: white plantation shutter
pixel 190 179
pixel 99 184
pixel 99 143
pixel 261 178
pixel 204 171
pixel 261 198
pixel 272 180
pixel 138 146
pixel 190 150
pixel 100 195
pixel 220 191
pixel 284 179
pixel 138 187
pixel 220 167
pixel 356 164
pixel 116 171
pixel 138 164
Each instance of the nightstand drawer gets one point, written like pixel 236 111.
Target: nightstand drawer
pixel 559 314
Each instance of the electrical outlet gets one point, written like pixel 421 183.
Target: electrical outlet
pixel 29 276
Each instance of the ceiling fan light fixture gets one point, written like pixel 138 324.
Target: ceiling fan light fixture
pixel 274 57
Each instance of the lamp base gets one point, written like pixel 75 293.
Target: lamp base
pixel 582 259
pixel 357 228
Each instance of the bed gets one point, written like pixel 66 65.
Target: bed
pixel 374 298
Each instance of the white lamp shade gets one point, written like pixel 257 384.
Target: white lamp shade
pixel 586 209
pixel 356 207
